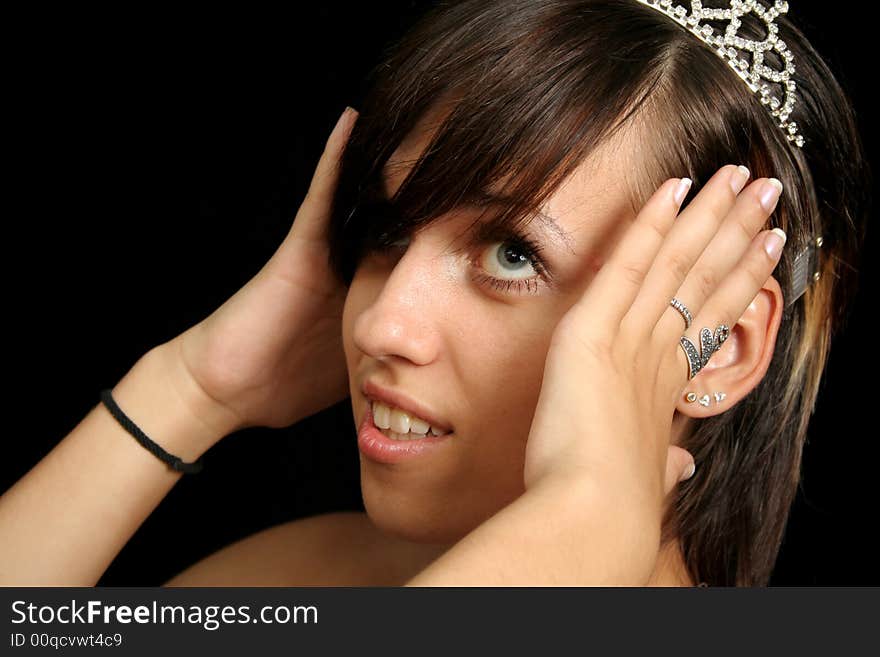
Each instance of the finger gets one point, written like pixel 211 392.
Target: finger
pixel 740 288
pixel 693 230
pixel 314 211
pixel 611 293
pixel 750 213
pixel 679 467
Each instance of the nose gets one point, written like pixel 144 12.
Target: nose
pixel 410 301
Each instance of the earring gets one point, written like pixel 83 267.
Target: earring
pixel 692 397
pixel 719 396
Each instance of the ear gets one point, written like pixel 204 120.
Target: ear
pixel 742 361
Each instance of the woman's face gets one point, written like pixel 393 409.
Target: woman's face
pixel 428 323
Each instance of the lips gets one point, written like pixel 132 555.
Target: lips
pixel 375 392
pixel 379 448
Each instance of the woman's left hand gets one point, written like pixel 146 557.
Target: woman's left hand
pixel 615 369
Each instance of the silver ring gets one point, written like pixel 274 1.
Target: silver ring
pixel 709 344
pixel 681 308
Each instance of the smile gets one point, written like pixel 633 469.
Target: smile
pixel 397 424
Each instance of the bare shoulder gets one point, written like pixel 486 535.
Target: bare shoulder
pixel 342 548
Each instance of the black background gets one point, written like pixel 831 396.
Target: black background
pixel 118 121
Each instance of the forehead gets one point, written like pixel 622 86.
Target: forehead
pixel 594 201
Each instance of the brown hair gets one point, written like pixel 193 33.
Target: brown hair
pixel 532 87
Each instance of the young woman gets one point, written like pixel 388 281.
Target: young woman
pixel 497 260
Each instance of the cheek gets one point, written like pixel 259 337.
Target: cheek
pixel 502 394
pixel 506 385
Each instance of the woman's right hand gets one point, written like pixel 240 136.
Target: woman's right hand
pixel 272 354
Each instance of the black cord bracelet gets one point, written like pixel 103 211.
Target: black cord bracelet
pixel 174 462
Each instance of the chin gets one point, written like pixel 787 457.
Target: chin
pixel 412 517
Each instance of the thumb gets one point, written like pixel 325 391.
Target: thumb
pixel 315 208
pixel 679 467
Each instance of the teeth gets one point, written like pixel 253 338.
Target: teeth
pixel 401 436
pixel 399 421
pixel 417 425
pixel 399 425
pixel 381 415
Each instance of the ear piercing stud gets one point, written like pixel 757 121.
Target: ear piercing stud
pixel 704 400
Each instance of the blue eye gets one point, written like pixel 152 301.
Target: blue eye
pixel 510 257
pixel 512 265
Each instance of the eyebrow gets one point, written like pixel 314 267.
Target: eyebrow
pixel 482 198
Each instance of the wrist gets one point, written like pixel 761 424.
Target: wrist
pixel 167 405
pixel 218 419
pixel 619 531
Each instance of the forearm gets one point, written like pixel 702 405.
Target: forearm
pixel 558 533
pixel 65 521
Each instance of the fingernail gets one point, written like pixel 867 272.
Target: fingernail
pixel 774 242
pixel 770 192
pixel 688 471
pixel 739 179
pixel 681 190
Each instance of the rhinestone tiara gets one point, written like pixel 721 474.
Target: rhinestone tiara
pixel 806 268
pixel 729 44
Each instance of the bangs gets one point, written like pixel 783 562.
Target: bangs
pixel 515 101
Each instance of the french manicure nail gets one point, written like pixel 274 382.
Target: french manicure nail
pixel 681 190
pixel 688 472
pixel 774 242
pixel 770 192
pixel 739 179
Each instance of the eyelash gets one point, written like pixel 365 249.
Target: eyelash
pixel 522 244
pixel 531 251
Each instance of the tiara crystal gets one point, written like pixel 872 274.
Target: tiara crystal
pixel 729 44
